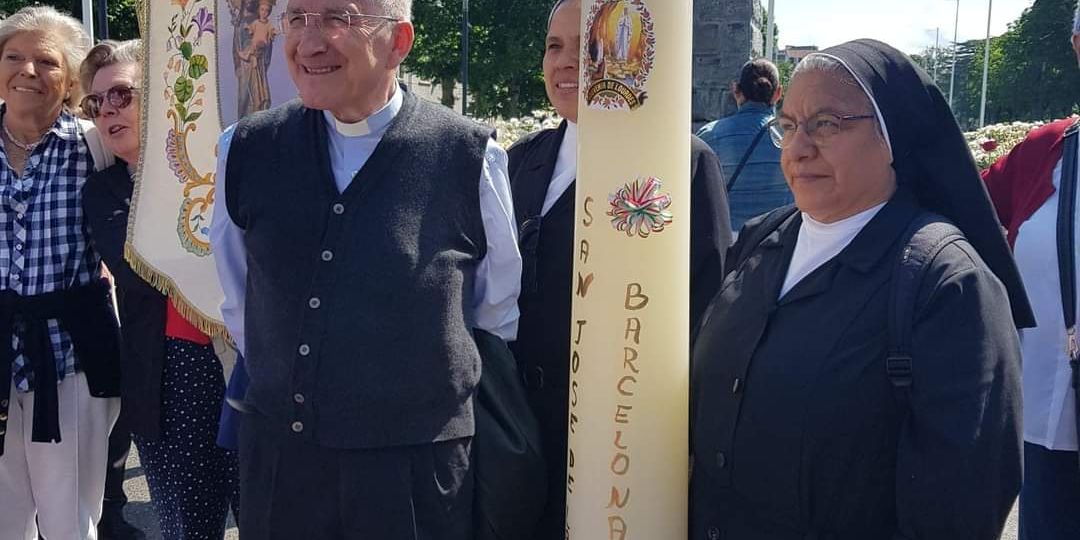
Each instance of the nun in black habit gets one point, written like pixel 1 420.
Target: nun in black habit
pixel 543 167
pixel 797 430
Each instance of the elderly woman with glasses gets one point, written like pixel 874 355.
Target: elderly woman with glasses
pixel 59 342
pixel 857 374
pixel 173 384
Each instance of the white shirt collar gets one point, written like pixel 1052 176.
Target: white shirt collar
pixel 372 124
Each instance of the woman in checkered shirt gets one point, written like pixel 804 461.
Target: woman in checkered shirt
pixel 59 339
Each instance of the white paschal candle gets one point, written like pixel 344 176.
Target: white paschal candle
pixel 628 456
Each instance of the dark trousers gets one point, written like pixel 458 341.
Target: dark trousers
pixel 1050 496
pixel 192 481
pixel 291 488
pixel 119 447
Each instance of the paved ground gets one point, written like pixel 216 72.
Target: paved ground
pixel 139 511
pixel 141 514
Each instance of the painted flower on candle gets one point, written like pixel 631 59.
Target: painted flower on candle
pixel 640 208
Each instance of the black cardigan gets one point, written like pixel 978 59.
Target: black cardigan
pixel 106 201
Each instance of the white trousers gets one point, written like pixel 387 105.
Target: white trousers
pixel 61 485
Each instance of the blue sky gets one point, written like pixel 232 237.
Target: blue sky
pixel 906 24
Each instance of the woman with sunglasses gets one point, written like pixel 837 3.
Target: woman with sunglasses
pixel 173 384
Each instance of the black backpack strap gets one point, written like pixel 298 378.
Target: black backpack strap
pixel 1066 254
pixel 746 156
pixel 924 239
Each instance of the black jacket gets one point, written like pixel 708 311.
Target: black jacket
pixel 542 348
pixel 106 202
pixel 796 432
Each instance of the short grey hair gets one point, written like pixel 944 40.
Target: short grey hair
pixel 108 53
pixel 398 9
pixel 63 29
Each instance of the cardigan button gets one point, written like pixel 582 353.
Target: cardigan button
pixel 736 386
pixel 298 398
pixel 314 303
pixel 3 403
pixel 297 427
pixel 3 417
pixel 721 460
pixel 339 208
pixel 304 350
pixel 327 255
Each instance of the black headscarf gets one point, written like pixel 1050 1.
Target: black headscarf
pixel 930 155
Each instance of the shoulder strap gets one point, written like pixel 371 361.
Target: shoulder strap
pixel 103 158
pixel 746 156
pixel 1066 254
pixel 924 238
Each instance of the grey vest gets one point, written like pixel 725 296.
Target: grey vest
pixel 356 303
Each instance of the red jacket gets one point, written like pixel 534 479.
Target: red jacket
pixel 1020 182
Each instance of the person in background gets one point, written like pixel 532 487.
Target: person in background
pixel 749 159
pixel 59 338
pixel 1024 186
pixel 812 416
pixel 172 381
pixel 543 170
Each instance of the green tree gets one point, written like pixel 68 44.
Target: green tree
pixel 1033 73
pixel 505 51
pixel 123 23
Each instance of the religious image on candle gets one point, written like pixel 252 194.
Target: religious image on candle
pixel 619 54
pixel 628 455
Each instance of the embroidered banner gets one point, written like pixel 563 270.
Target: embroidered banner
pixel 207 63
pixel 629 365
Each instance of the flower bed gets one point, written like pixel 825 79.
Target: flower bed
pixel 510 130
pixel 993 141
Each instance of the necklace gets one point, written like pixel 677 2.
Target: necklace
pixel 26 147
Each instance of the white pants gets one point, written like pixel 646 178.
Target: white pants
pixel 61 485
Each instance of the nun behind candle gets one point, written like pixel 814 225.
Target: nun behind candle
pixel 798 430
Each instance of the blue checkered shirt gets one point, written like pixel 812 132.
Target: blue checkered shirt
pixel 43 239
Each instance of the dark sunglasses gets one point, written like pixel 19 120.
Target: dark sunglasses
pixel 117 96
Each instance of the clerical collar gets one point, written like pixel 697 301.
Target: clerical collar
pixel 372 124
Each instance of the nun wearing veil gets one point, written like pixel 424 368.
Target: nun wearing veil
pixel 815 416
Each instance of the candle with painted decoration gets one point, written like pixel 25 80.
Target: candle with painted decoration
pixel 628 454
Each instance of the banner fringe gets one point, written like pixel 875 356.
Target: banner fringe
pixel 166 286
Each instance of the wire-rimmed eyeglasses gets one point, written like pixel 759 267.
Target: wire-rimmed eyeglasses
pixel 820 127
pixel 329 22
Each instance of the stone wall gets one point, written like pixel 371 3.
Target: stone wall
pixel 727 33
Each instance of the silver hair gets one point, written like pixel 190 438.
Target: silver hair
pixel 108 53
pixel 67 32
pixel 398 9
pixel 821 62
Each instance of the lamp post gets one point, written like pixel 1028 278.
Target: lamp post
pixel 102 19
pixel 87 14
pixel 770 30
pixel 955 43
pixel 986 64
pixel 937 52
pixel 464 57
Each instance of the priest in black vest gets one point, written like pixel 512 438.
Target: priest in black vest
pixel 360 234
pixel 543 169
